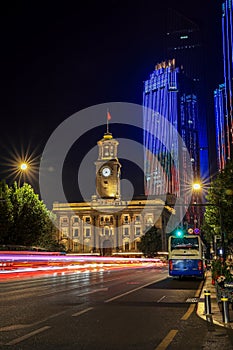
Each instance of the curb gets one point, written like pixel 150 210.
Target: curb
pixel 216 315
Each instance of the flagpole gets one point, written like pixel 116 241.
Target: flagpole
pixel 107 121
pixel 108 118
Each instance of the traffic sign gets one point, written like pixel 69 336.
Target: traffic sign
pixel 196 231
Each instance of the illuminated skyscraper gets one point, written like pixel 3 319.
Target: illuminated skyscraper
pixel 168 97
pixel 223 95
pixel 184 43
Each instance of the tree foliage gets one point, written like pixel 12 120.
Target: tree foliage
pixel 218 216
pixel 6 212
pixel 151 242
pixel 25 220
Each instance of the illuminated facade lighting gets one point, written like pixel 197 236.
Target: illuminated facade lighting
pixel 184 43
pixel 220 108
pixel 223 95
pixel 169 94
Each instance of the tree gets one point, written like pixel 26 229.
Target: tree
pixel 6 212
pixel 218 218
pixel 151 242
pixel 47 238
pixel 26 219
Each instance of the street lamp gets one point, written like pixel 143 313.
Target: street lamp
pixel 24 163
pixel 196 186
pixel 23 166
pixel 22 169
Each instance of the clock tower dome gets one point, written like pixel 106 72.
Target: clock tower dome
pixel 108 169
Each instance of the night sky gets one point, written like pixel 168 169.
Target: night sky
pixel 57 59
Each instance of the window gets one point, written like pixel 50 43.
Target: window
pixel 64 221
pixel 126 246
pixel 126 231
pixel 149 219
pixel 75 232
pixel 75 219
pixel 111 151
pixel 87 246
pixel 87 232
pixel 76 246
pixel 88 219
pixel 106 151
pixel 137 218
pixel 137 231
pixel 126 219
pixel 64 233
pixel 184 243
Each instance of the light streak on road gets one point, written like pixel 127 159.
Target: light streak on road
pixel 78 258
pixel 13 265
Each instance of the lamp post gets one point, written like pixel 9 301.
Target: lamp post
pixel 223 251
pixel 196 187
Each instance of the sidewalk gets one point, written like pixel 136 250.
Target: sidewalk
pixel 216 315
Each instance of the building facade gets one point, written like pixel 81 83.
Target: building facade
pixel 160 99
pixel 108 224
pixel 184 44
pixel 168 97
pixel 223 95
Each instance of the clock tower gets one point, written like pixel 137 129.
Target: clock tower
pixel 108 169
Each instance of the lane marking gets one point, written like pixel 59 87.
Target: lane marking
pixel 158 301
pixel 198 292
pixel 82 311
pixel 189 312
pixel 26 336
pixel 73 288
pixel 133 290
pixel 167 340
pixel 14 327
pixel 192 300
pixel 192 306
pixel 93 291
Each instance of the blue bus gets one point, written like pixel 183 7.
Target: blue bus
pixel 186 256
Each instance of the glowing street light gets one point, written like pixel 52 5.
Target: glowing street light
pixel 196 186
pixel 197 213
pixel 23 166
pixel 22 170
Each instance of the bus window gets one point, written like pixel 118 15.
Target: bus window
pixel 184 243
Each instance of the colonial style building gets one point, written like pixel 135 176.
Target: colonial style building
pixel 108 224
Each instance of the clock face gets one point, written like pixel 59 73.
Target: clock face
pixel 106 171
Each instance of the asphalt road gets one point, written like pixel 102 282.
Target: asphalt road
pixel 133 309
